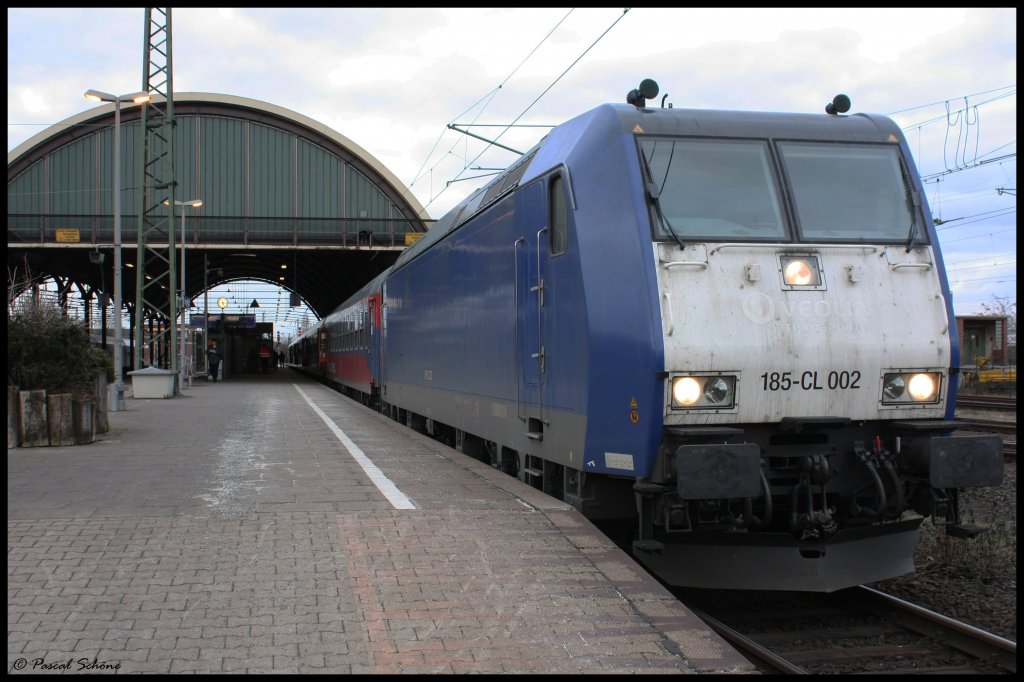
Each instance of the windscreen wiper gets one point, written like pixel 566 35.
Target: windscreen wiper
pixel 913 205
pixel 654 192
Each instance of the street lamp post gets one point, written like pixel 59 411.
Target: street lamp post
pixel 137 98
pixel 206 311
pixel 194 203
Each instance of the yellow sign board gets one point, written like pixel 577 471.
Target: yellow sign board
pixel 413 237
pixel 68 236
pixel 1009 375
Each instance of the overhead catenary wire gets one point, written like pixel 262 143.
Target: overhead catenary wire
pixel 965 220
pixel 961 124
pixel 942 117
pixel 538 98
pixel 490 95
pixel 986 215
pixel 943 101
pixel 978 236
pixel 979 267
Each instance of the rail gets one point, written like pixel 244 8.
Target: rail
pixel 852 631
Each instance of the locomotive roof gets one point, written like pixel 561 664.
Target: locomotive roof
pixel 758 124
pixel 631 120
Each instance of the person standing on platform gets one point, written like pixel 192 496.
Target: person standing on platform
pixel 213 358
pixel 264 359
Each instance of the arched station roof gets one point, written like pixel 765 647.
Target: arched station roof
pixel 279 188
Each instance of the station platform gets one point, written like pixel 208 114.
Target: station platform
pixel 267 524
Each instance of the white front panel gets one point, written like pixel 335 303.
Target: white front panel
pixel 802 353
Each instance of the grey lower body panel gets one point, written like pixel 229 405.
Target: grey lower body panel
pixel 746 561
pixel 496 419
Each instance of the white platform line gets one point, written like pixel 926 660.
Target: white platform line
pixel 395 496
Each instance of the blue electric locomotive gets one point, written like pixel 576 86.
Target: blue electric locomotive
pixel 733 328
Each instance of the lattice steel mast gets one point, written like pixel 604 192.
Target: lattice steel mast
pixel 155 296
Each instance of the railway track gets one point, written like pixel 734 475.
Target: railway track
pixel 859 630
pixel 1008 431
pixel 987 402
pixel 973 410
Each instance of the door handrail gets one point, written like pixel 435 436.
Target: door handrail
pixel 515 345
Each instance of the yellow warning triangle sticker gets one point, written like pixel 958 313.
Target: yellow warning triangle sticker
pixel 632 402
pixel 637 128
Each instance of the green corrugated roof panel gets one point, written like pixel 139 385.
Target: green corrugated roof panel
pixel 263 178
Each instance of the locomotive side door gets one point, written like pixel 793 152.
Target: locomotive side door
pixel 529 300
pixel 542 237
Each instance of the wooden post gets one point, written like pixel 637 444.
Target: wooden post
pixel 13 440
pixel 83 413
pixel 58 419
pixel 32 426
pixel 101 403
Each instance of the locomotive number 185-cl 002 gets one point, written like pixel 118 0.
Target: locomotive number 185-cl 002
pixel 731 328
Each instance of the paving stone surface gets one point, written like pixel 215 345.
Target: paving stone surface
pixel 230 530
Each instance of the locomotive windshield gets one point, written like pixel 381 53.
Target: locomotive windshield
pixel 714 189
pixel 847 191
pixel 729 190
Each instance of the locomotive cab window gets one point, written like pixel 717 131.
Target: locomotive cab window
pixel 851 193
pixel 559 218
pixel 712 189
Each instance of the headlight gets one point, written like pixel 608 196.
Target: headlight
pixel 717 391
pixel 800 271
pixel 908 388
pixel 686 391
pixel 922 387
pixel 894 386
pixel 703 392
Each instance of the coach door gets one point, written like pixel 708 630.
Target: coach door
pixel 382 340
pixel 321 348
pixel 373 340
pixel 542 210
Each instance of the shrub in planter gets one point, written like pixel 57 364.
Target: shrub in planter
pixel 47 351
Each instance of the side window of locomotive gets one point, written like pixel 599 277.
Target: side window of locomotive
pixel 851 192
pixel 713 189
pixel 559 218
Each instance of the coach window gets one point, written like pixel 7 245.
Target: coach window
pixel 559 218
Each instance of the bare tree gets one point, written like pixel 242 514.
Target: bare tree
pixel 1003 306
pixel 18 282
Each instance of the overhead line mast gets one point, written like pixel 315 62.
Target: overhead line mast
pixel 155 297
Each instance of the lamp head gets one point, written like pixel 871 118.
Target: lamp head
pixel 99 96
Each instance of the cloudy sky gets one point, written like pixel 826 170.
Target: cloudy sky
pixel 392 79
